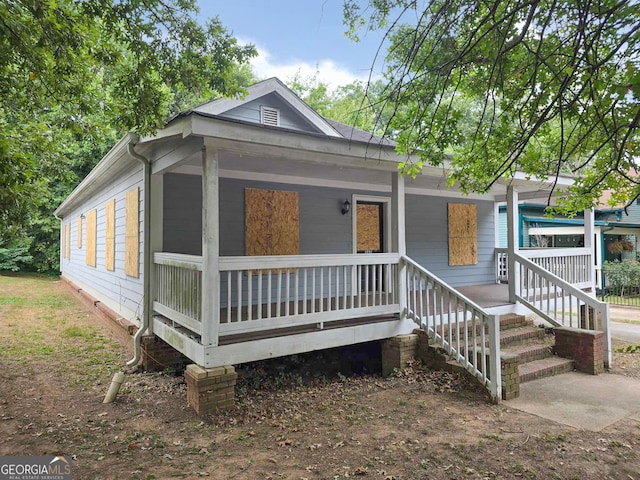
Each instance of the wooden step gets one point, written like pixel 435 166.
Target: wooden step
pixel 530 352
pixel 546 367
pixel 513 320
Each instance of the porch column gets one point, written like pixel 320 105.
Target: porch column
pixel 210 245
pixel 589 229
pixel 513 235
pixel 398 238
pixel 156 206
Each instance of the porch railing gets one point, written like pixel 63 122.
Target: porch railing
pixel 559 302
pixel 267 292
pixel 570 264
pixel 463 329
pixel 178 289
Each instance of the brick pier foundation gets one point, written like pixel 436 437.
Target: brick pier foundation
pixel 210 389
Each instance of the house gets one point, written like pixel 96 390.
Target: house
pixel 617 229
pixel 253 228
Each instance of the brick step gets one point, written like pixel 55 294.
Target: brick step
pixel 512 320
pixel 530 352
pixel 520 335
pixel 507 322
pixel 546 367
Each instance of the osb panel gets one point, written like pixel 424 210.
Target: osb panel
pixel 271 222
pixel 63 242
pixel 68 242
pixel 463 234
pixel 368 227
pixel 463 220
pixel 110 236
pixel 132 234
pixel 79 232
pixel 91 224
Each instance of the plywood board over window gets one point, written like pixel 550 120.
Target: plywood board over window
pixel 68 241
pixel 369 227
pixel 463 234
pixel 91 232
pixel 64 241
pixel 80 231
pixel 271 222
pixel 132 234
pixel 110 235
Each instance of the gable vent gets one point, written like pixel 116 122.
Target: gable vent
pixel 269 116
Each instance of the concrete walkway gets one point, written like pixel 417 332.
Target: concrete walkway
pixel 582 401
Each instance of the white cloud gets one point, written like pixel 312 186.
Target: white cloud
pixel 329 72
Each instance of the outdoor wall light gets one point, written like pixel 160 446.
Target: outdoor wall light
pixel 346 206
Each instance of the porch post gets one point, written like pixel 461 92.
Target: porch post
pixel 210 245
pixel 155 243
pixel 399 242
pixel 589 228
pixel 513 235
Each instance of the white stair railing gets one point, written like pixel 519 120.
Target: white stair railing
pixel 468 334
pixel 559 302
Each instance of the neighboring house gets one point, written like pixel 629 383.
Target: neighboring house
pixel 253 228
pixel 617 230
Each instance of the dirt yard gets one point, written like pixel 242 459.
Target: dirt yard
pixel 320 416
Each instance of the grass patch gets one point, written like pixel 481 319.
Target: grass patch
pixel 76 331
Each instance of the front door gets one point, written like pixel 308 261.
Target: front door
pixel 370 239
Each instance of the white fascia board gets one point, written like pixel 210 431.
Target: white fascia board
pixel 258 139
pixel 110 160
pixel 271 85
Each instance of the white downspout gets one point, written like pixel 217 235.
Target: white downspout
pixel 146 280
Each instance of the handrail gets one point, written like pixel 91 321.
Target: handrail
pixel 300 261
pixel 444 285
pixel 552 252
pixel 464 333
pixel 538 288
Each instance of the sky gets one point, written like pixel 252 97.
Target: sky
pixel 305 36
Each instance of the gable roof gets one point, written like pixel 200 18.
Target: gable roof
pixel 265 87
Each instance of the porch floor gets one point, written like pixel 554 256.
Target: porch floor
pixel 487 296
pixel 263 334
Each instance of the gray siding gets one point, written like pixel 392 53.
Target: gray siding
pixel 182 205
pixel 116 289
pixel 250 112
pixel 427 240
pixel 323 229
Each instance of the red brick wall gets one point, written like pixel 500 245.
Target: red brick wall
pixel 585 347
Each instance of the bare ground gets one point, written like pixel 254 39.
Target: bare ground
pixel 319 416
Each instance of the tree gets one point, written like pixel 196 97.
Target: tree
pixel 74 76
pixel 557 83
pixel 356 104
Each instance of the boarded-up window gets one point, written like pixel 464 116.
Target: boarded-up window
pixel 110 236
pixel 369 227
pixel 63 241
pixel 80 232
pixel 271 222
pixel 68 241
pixel 132 234
pixel 463 234
pixel 91 229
